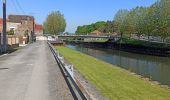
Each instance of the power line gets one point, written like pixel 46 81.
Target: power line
pixel 15 6
pixel 20 6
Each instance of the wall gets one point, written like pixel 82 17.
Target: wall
pixel 39 33
pixel 25 25
pixel 13 41
pixel 12 25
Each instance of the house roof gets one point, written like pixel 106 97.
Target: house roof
pixel 19 18
pixel 38 27
pixel 96 31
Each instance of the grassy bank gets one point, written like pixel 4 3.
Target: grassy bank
pixel 125 40
pixel 112 81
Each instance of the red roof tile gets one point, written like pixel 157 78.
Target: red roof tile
pixel 38 27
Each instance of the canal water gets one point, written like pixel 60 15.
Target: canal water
pixel 152 67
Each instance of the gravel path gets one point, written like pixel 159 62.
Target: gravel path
pixel 32 73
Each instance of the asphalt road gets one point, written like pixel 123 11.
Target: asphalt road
pixel 32 73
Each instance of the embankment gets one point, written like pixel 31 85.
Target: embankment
pixel 112 81
pixel 135 48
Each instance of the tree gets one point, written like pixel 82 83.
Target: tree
pixel 139 16
pixel 85 29
pixel 99 24
pixel 108 27
pixel 151 20
pixel 120 19
pixel 55 23
pixel 164 18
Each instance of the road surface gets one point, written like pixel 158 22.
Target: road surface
pixel 32 73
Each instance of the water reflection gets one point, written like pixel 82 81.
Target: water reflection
pixel 155 68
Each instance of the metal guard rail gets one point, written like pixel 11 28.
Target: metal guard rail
pixel 72 83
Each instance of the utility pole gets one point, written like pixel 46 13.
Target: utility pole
pixel 4 27
pixel 33 35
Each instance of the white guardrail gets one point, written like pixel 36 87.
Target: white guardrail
pixel 68 67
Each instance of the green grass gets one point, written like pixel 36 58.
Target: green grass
pixel 114 82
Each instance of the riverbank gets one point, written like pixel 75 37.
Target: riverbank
pixel 114 82
pixel 129 45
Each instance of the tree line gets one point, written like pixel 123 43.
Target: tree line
pixel 55 23
pixel 104 27
pixel 140 21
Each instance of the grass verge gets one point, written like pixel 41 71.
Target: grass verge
pixel 114 82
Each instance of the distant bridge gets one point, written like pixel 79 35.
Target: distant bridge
pixel 88 36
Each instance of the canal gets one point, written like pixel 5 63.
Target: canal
pixel 152 67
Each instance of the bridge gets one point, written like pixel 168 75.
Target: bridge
pixel 88 36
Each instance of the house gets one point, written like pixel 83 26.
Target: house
pixel 21 24
pixel 98 33
pixel 1 25
pixel 25 26
pixel 12 26
pixel 12 41
pixel 95 33
pixel 38 30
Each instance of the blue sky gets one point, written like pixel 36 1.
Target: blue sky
pixel 76 12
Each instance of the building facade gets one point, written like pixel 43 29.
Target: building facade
pixel 1 24
pixel 38 30
pixel 21 24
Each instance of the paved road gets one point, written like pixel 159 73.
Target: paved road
pixel 31 73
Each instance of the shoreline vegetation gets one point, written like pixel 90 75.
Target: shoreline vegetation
pixel 112 81
pixel 128 45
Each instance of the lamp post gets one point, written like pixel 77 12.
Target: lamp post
pixel 4 26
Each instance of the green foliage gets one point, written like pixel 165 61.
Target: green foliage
pixel 112 81
pixel 139 14
pixel 120 19
pixel 146 21
pixel 150 21
pixel 108 27
pixel 104 27
pixel 11 32
pixel 55 23
pixel 164 18
pixel 98 25
pixel 26 33
pixel 83 30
